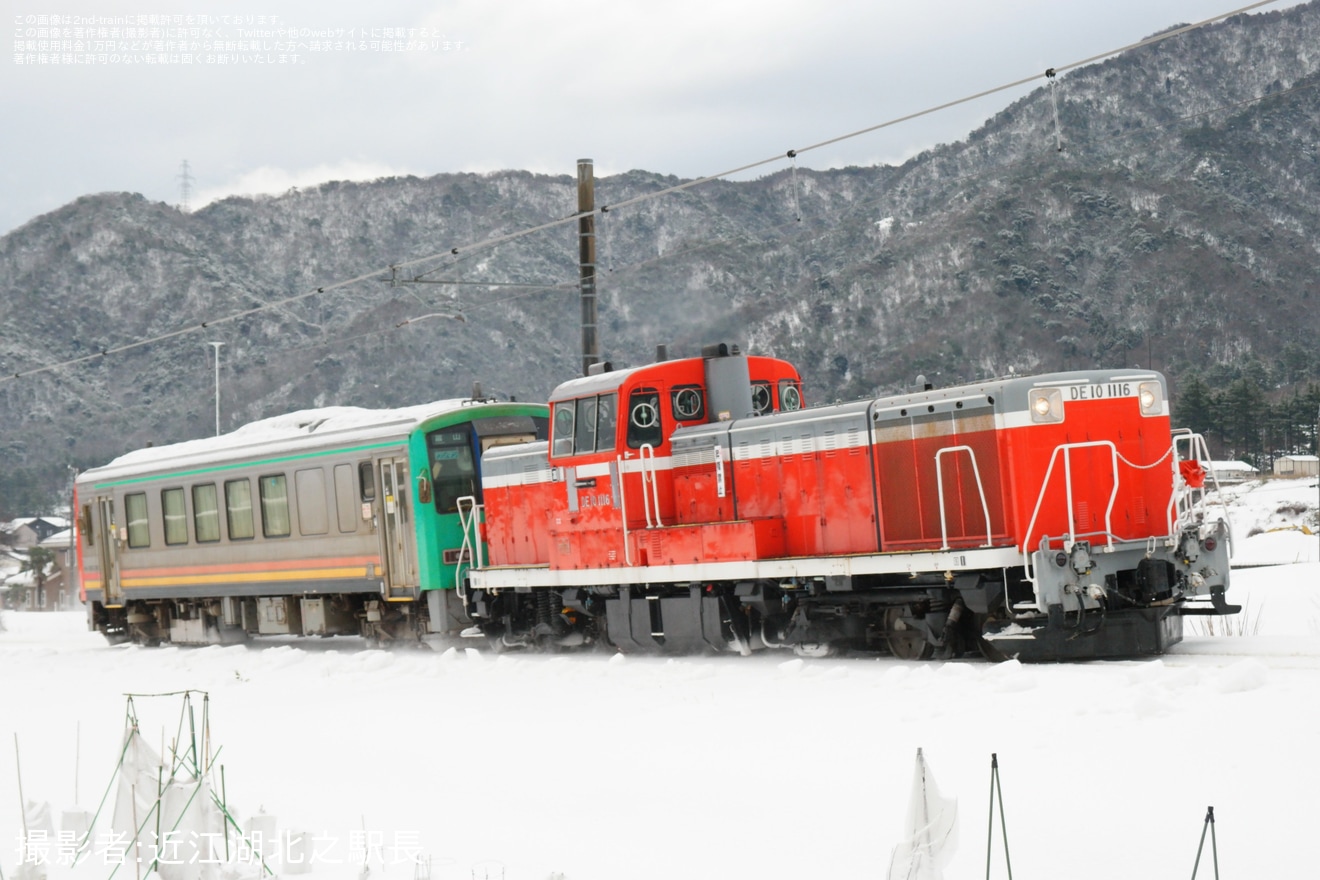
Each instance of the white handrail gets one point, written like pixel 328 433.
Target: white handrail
pixel 939 487
pixel 623 510
pixel 1067 448
pixel 469 522
pixel 1187 499
pixel 648 474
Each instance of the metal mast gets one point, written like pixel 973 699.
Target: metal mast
pixel 586 182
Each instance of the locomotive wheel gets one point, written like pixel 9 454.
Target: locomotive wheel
pixel 904 642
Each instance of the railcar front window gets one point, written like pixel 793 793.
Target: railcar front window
pixel 135 510
pixel 274 491
pixel 176 517
pixel 453 469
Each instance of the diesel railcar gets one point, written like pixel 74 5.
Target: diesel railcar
pixel 694 504
pixel 321 522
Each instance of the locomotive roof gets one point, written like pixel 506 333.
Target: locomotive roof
pixel 601 382
pixel 304 429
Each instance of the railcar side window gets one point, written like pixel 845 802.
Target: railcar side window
pixel 176 517
pixel 344 501
pixel 367 480
pixel 87 529
pixel 274 491
pixel 313 518
pixel 135 511
pixel 563 421
pixel 790 395
pixel 206 513
pixel 644 418
pixel 761 402
pixel 238 509
pixel 688 404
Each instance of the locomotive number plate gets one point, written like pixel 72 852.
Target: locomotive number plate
pixel 1102 392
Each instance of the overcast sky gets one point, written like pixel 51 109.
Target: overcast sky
pixel 685 87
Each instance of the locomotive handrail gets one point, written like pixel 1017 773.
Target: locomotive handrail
pixel 939 488
pixel 1187 498
pixel 623 509
pixel 469 522
pixel 648 473
pixel 1067 448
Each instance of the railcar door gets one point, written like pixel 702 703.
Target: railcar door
pixel 107 552
pixel 397 548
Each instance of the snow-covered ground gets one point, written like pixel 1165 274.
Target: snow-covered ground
pixel 599 767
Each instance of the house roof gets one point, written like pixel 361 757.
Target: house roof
pixel 1233 466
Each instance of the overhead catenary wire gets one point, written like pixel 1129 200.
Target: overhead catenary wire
pixel 574 217
pixel 794 226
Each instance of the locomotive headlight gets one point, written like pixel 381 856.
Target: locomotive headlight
pixel 1046 405
pixel 1148 394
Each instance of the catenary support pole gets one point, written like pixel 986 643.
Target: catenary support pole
pixel 217 345
pixel 586 182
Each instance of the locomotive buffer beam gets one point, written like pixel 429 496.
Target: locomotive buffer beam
pixel 1088 635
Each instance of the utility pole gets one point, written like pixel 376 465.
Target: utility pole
pixel 217 385
pixel 586 180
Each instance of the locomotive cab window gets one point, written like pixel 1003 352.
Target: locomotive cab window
pixel 688 404
pixel 563 427
pixel 453 468
pixel 790 396
pixel 584 435
pixel 585 425
pixel 762 402
pixel 644 418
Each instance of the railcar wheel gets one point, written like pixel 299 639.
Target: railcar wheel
pixel 815 650
pixel 904 642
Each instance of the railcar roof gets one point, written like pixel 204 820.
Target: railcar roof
pixel 304 429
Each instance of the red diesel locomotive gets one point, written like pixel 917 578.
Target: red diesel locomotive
pixel 694 504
